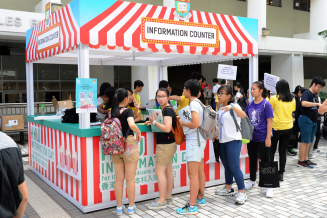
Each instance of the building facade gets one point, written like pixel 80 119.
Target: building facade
pixel 289 47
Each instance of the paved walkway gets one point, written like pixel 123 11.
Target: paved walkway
pixel 302 194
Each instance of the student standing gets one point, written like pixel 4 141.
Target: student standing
pixel 194 151
pixel 133 104
pixel 308 120
pixel 215 88
pixel 165 150
pixel 260 114
pixel 109 94
pixel 230 143
pixel 314 148
pixel 13 190
pixel 239 91
pixel 283 105
pixel 138 87
pixel 125 164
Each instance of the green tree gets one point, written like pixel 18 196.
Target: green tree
pixel 323 34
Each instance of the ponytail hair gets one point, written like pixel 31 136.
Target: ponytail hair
pixel 110 92
pixel 238 85
pixel 119 96
pixel 260 85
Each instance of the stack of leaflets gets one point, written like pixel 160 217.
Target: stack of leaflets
pixel 159 118
pixel 186 116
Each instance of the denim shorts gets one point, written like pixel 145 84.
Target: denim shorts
pixel 308 129
pixel 194 152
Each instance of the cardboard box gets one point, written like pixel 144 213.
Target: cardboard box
pixel 64 104
pixel 14 122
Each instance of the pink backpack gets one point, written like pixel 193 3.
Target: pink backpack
pixel 112 139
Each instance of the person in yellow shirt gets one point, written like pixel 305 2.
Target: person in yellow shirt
pixel 283 105
pixel 138 87
pixel 133 104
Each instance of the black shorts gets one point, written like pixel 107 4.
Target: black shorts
pixel 11 175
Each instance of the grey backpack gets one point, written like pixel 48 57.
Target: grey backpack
pixel 246 128
pixel 210 127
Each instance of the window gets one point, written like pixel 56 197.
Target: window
pixel 277 3
pixel 302 5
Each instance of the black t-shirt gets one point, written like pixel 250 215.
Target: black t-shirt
pixel 167 138
pixel 11 176
pixel 311 112
pixel 123 120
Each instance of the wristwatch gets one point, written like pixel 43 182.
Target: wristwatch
pixel 154 122
pixel 232 106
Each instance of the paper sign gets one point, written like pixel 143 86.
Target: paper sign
pixel 227 72
pixel 270 82
pixel 86 95
pixel 186 116
pixel 13 122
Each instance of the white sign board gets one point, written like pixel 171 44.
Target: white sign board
pixel 179 33
pixel 270 82
pixel 49 39
pixel 227 72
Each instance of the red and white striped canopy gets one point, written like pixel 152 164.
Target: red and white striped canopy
pixel 119 28
pixel 69 35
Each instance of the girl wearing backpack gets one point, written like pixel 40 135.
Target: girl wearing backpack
pixel 125 164
pixel 230 143
pixel 165 150
pixel 260 113
pixel 283 105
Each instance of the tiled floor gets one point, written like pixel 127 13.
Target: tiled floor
pixel 302 194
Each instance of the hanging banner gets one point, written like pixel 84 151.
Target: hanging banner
pixel 169 32
pixel 227 72
pixel 49 38
pixel 270 82
pixel 47 14
pixel 86 95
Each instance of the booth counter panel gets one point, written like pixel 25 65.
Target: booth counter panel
pixel 76 167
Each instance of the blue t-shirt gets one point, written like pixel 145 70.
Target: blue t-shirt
pixel 311 112
pixel 258 115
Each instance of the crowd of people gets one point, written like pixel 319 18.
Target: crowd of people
pixel 277 121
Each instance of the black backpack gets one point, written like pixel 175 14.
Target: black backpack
pixel 242 103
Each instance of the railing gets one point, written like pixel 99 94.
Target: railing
pixel 9 109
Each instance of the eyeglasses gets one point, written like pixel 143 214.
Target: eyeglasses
pixel 319 87
pixel 163 96
pixel 222 93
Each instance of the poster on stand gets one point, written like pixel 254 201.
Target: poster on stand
pixel 86 95
pixel 227 72
pixel 270 82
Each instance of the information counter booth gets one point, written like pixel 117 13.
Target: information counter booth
pixel 69 157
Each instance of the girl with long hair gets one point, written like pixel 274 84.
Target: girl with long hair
pixel 260 113
pixel 133 104
pixel 239 91
pixel 101 100
pixel 125 164
pixel 165 150
pixel 230 143
pixel 283 105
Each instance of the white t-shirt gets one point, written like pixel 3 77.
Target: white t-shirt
pixel 99 101
pixel 228 130
pixel 193 136
pixel 215 88
pixel 238 94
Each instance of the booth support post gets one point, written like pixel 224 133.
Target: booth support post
pixel 30 89
pixel 253 72
pixel 84 72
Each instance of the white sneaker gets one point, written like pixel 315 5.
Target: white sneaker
pixel 312 157
pixel 250 184
pixel 319 151
pixel 269 193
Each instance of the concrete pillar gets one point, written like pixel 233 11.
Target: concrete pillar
pixel 318 18
pixel 290 68
pixel 258 9
pixel 169 3
pixel 149 76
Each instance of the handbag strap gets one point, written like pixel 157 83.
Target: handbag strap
pixel 268 154
pixel 235 121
